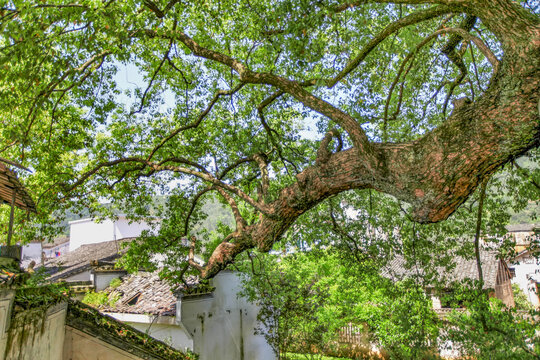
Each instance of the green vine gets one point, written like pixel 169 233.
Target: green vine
pixel 30 310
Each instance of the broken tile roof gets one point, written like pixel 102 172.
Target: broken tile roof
pixel 143 293
pixel 146 293
pixel 464 269
pixel 81 259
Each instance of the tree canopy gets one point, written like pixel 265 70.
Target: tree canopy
pixel 274 106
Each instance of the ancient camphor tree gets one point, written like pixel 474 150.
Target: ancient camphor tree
pixel 418 99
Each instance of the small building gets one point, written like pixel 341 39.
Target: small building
pixel 210 320
pixel 88 231
pixel 89 267
pixel 521 234
pixel 525 266
pixel 42 323
pixel 496 276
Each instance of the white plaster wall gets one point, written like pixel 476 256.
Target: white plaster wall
pixel 124 229
pixel 194 312
pixel 81 346
pixel 82 276
pixel 223 326
pixel 524 269
pixel 6 299
pixel 40 345
pixel 174 335
pixel 103 279
pixel 86 231
pixel 32 251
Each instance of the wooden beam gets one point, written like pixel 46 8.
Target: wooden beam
pixel 11 214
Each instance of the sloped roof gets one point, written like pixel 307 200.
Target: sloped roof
pixel 60 240
pixel 521 227
pixel 147 293
pixel 464 269
pixel 525 253
pixel 10 183
pixel 143 293
pixel 81 259
pixel 90 321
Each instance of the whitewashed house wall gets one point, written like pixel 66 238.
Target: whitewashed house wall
pixel 222 324
pixel 527 273
pixel 88 231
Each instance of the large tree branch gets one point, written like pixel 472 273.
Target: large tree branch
pixel 436 173
pixel 156 10
pixel 347 122
pixel 352 4
pixel 201 174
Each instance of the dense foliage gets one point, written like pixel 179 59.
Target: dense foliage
pixel 122 101
pixel 322 279
pixel 297 115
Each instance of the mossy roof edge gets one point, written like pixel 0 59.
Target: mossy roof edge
pixel 89 320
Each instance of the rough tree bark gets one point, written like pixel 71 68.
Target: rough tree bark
pixel 436 173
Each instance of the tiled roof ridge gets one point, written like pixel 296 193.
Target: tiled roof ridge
pixel 77 261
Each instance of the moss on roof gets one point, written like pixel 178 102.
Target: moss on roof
pixel 91 321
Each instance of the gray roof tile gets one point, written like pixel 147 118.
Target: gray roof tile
pixel 464 269
pixel 143 293
pixel 80 259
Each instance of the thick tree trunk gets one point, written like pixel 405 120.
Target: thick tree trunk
pixel 438 172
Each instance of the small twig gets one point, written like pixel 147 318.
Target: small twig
pixel 196 123
pixel 152 79
pixel 14 163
